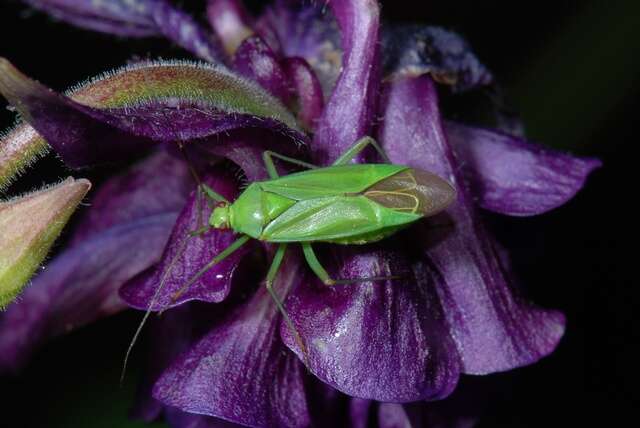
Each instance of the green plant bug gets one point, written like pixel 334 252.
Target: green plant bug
pixel 345 203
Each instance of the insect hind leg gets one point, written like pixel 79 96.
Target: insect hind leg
pixel 322 273
pixel 271 275
pixel 358 147
pixel 268 156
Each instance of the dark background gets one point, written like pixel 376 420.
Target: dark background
pixel 570 68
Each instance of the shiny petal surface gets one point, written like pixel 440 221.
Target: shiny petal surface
pixel 494 328
pixel 185 255
pixel 509 176
pixel 382 340
pixel 412 50
pixel 238 371
pixel 348 113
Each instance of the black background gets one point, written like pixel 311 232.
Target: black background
pixel 570 68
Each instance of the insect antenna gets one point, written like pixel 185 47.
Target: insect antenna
pixel 154 300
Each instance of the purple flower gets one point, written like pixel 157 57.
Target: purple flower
pixel 305 81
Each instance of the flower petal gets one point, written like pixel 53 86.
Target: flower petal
pixel 361 343
pixel 231 22
pixel 255 60
pixel 239 371
pixel 412 50
pixel 119 113
pixel 494 328
pixel 28 227
pixel 135 18
pixel 120 17
pixel 349 112
pixel 184 256
pixel 178 419
pixel 304 29
pixel 307 88
pixel 80 285
pixel 510 176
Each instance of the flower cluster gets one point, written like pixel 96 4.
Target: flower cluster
pixel 306 80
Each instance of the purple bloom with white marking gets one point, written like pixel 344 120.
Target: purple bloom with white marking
pixel 306 80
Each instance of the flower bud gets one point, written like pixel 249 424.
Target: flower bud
pixel 28 227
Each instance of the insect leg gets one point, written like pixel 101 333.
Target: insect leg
pixel 271 276
pixel 268 156
pixel 359 146
pixel 321 272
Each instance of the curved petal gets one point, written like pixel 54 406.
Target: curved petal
pixel 118 114
pixel 307 88
pixel 80 285
pixel 255 60
pixel 135 18
pixel 380 340
pixel 156 185
pixel 238 371
pixel 185 255
pixel 509 176
pixel 303 29
pixel 493 327
pixel 412 50
pixel 349 112
pixel 121 17
pixel 178 419
pixel 231 22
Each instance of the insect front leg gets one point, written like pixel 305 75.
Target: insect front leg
pixel 268 156
pixel 271 276
pixel 358 147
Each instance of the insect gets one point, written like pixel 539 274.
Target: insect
pixel 345 203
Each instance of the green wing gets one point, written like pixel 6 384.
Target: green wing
pixel 333 218
pixel 330 181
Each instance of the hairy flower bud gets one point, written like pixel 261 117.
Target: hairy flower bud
pixel 28 227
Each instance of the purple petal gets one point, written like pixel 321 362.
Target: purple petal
pixel 135 18
pixel 304 29
pixel 510 176
pixel 156 101
pixel 255 60
pixel 384 340
pixel 308 90
pixel 239 370
pixel 493 327
pixel 349 112
pixel 184 31
pixel 412 50
pixel 157 185
pixel 121 236
pixel 120 17
pixel 231 22
pixel 184 256
pixel 359 409
pixel 179 419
